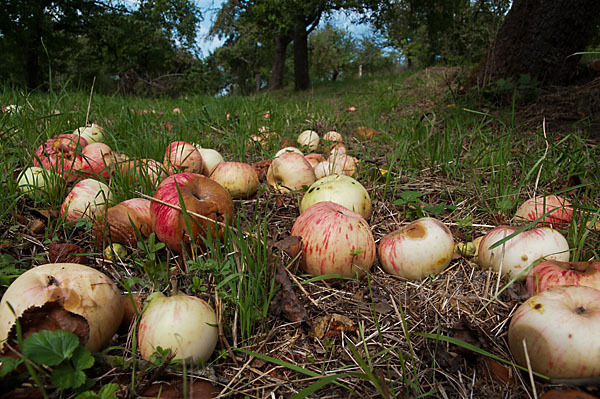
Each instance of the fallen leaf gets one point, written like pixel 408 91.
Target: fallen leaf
pixel 285 300
pixel 174 390
pixel 66 253
pixel 331 325
pixel 497 371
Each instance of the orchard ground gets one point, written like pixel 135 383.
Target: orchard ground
pixel 439 150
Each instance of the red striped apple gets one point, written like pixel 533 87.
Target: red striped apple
pixel 97 159
pixel 61 154
pixel 533 208
pixel 290 171
pixel 552 273
pixel 200 195
pixel 87 199
pixel 182 157
pixel 417 250
pixel 335 240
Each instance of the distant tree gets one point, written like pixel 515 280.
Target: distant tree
pixel 332 52
pixel 539 39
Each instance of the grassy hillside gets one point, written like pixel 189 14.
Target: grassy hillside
pixel 435 152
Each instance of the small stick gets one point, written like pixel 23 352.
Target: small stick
pixel 529 370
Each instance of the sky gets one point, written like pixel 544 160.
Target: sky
pixel 209 9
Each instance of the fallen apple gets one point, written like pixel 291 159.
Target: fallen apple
pixel 309 138
pixel 559 327
pixel 182 157
pixel 342 190
pixel 285 150
pixel 185 324
pixel 419 249
pixel 314 159
pixel 335 240
pixel 290 171
pixel 210 160
pixel 87 199
pixel 239 178
pixel 92 133
pixel 34 180
pixel 201 196
pixel 61 154
pixel 97 159
pixel 334 136
pixel 552 273
pixel 120 222
pixel 348 164
pixel 115 251
pixel 561 211
pixel 142 170
pixel 62 296
pixel 328 168
pixel 515 255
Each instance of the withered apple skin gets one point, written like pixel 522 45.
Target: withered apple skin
pixel 200 195
pixel 61 154
pixel 116 225
pixel 335 240
pixel 551 273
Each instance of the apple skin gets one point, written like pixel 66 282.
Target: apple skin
pixel 335 240
pixel 181 156
pixel 143 169
pixel 340 189
pixel 314 158
pixel 516 254
pixel 97 159
pixel 309 138
pixel 535 207
pixel 560 327
pixel 92 134
pixel 290 171
pixel 417 250
pixel 328 168
pixel 239 178
pixel 88 198
pixel 200 195
pixel 61 154
pixel 116 226
pixel 210 160
pixel 552 273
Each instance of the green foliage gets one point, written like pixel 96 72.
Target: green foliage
pixel 332 53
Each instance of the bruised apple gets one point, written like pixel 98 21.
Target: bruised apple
pixel 290 171
pixel 552 273
pixel 182 157
pixel 561 211
pixel 516 254
pixel 97 159
pixel 61 154
pixel 417 250
pixel 120 222
pixel 200 195
pixel 335 240
pixel 239 178
pixel 87 199
pixel 62 296
pixel 560 328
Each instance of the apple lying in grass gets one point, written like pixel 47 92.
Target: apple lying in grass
pixel 560 328
pixel 92 133
pixel 61 154
pixel 182 157
pixel 328 168
pixel 342 190
pixel 314 159
pixel 185 324
pixel 34 180
pixel 200 195
pixel 142 170
pixel 285 150
pixel 87 199
pixel 417 250
pixel 514 256
pixel 561 211
pixel 62 296
pixel 552 273
pixel 333 136
pixel 335 240
pixel 309 138
pixel 239 178
pixel 210 160
pixel 120 222
pixel 97 159
pixel 290 171
pixel 348 164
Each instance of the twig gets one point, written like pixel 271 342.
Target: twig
pixel 529 370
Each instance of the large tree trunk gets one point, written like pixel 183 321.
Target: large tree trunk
pixel 301 77
pixel 537 39
pixel 278 67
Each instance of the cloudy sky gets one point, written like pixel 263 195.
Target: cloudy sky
pixel 209 10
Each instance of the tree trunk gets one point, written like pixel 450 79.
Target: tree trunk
pixel 278 67
pixel 301 77
pixel 537 39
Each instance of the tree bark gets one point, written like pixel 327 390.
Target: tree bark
pixel 301 76
pixel 538 38
pixel 278 66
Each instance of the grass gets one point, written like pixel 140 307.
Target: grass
pixel 457 158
